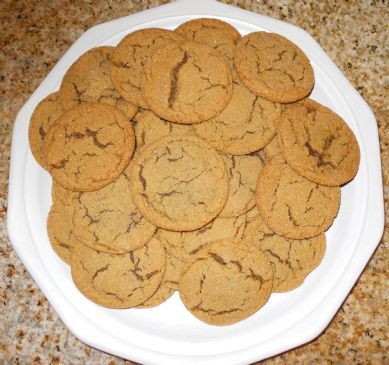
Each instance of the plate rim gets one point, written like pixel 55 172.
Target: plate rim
pixel 373 223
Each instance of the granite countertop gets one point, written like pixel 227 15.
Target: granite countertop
pixel 35 34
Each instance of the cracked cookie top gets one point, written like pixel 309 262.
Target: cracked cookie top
pixel 118 281
pixel 243 174
pixel 292 260
pixel 318 144
pixel 43 117
pixel 179 183
pixel 89 146
pixel 88 80
pixel 187 82
pixel 246 125
pixel 215 33
pixel 108 219
pixel 273 67
pixel 188 246
pixel 293 206
pixel 149 127
pixel 130 57
pixel 228 284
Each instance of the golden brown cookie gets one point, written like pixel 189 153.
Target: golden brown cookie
pixel 108 219
pixel 89 146
pixel 318 144
pixel 179 183
pixel 149 127
pixel 187 246
pixel 214 33
pixel 130 57
pixel 118 281
pixel 273 67
pixel 243 174
pixel 43 117
pixel 246 125
pixel 227 285
pixel 187 82
pixel 292 260
pixel 293 206
pixel 88 80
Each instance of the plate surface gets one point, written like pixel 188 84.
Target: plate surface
pixel 169 333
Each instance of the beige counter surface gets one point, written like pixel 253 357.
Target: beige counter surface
pixel 35 34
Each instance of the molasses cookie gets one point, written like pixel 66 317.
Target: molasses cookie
pixel 293 206
pixel 179 183
pixel 227 285
pixel 187 82
pixel 318 144
pixel 273 67
pixel 89 146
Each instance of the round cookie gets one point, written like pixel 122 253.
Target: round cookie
pixel 108 219
pixel 149 127
pixel 88 80
pixel 293 206
pixel 273 67
pixel 43 117
pixel 118 281
pixel 227 285
pixel 187 82
pixel 179 183
pixel 188 246
pixel 318 144
pixel 89 146
pixel 215 33
pixel 130 57
pixel 243 174
pixel 246 125
pixel 292 260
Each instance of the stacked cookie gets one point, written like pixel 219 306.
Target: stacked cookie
pixel 191 160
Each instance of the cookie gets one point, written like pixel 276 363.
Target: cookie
pixel 318 144
pixel 187 82
pixel 292 260
pixel 227 285
pixel 293 206
pixel 243 174
pixel 130 57
pixel 179 183
pixel 108 219
pixel 246 125
pixel 88 80
pixel 188 246
pixel 215 33
pixel 273 67
pixel 89 146
pixel 149 127
pixel 118 281
pixel 43 117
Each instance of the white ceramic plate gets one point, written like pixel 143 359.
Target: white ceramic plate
pixel 169 334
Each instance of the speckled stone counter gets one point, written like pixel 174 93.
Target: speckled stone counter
pixel 35 34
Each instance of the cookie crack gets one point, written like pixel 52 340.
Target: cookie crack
pixel 174 80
